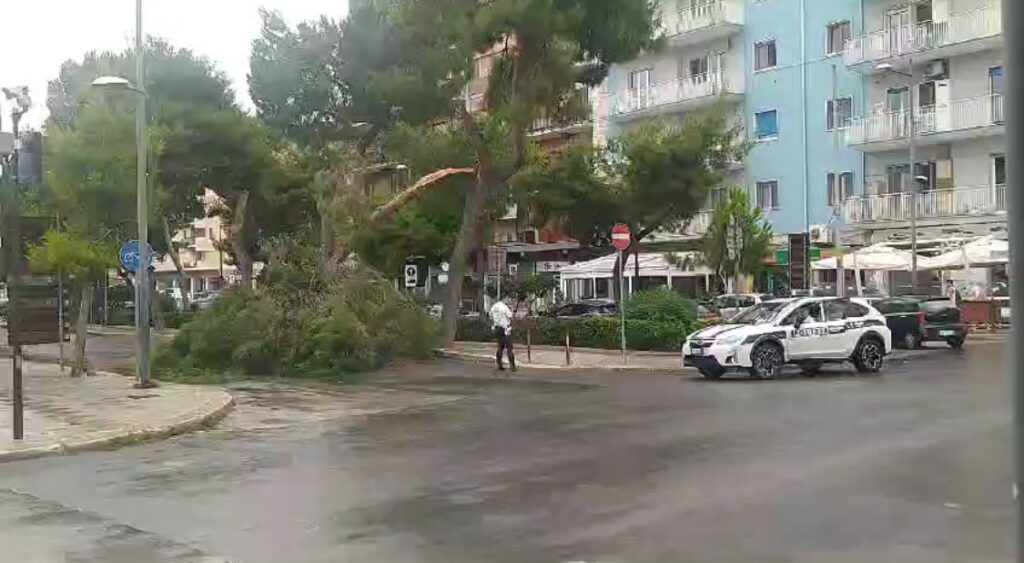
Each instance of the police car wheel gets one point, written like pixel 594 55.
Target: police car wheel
pixel 868 356
pixel 766 361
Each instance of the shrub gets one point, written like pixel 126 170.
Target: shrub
pixel 354 324
pixel 594 332
pixel 661 305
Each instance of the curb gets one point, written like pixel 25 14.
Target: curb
pixel 487 358
pixel 204 416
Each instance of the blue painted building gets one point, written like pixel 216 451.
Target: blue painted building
pixel 770 63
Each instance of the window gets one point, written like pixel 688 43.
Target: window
pixel 744 301
pixel 835 310
pixel 768 195
pixel 811 312
pixel 855 311
pixel 999 170
pixel 843 191
pixel 764 55
pixel 766 125
pixel 699 66
pixel 838 35
pixel 839 110
pixel 640 79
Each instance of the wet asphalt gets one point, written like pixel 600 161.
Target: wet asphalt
pixel 910 466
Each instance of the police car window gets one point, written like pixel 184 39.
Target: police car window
pixel 811 310
pixel 835 310
pixel 854 310
pixel 744 301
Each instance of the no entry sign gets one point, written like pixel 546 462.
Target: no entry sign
pixel 621 237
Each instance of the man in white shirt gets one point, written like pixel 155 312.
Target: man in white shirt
pixel 501 324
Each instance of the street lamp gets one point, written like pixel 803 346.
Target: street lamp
pixel 142 296
pixel 912 135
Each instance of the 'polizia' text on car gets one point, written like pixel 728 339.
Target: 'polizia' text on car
pixel 808 332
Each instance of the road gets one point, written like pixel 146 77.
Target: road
pixel 911 466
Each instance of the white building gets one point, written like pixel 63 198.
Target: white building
pixel 950 54
pixel 200 247
pixel 701 68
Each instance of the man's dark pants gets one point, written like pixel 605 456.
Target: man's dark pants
pixel 504 345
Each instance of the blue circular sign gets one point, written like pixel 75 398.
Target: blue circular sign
pixel 129 255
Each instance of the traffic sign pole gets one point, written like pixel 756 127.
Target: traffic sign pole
pixel 621 240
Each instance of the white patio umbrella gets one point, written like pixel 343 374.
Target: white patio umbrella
pixel 986 251
pixel 877 257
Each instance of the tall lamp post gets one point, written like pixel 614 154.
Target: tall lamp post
pixel 142 296
pixel 914 178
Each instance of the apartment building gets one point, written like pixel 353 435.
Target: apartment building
pixel 824 90
pixel 933 76
pixel 200 246
pixel 701 68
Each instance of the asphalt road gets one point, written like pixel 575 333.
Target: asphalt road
pixel 911 466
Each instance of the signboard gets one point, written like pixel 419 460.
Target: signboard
pixel 35 317
pixel 412 276
pixel 621 237
pixel 551 266
pixel 129 255
pixel 798 260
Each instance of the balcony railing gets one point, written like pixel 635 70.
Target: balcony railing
pixel 698 224
pixel 545 124
pixel 671 92
pixel 699 17
pixel 914 38
pixel 957 202
pixel 969 113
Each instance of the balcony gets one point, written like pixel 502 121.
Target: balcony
pixel 546 127
pixel 964 32
pixel 698 225
pixel 700 23
pixel 680 95
pixel 981 116
pixel 937 204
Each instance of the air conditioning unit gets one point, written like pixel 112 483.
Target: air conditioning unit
pixel 821 234
pixel 936 70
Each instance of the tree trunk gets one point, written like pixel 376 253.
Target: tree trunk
pixel 239 243
pixel 80 364
pixel 172 251
pixel 472 218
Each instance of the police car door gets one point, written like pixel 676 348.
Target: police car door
pixel 840 329
pixel 806 341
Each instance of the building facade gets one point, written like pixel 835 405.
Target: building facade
pixel 823 89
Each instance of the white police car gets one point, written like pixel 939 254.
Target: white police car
pixel 807 331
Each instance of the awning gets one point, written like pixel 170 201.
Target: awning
pixel 652 264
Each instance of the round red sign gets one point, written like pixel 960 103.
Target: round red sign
pixel 621 237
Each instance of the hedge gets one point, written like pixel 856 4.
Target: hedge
pixel 593 332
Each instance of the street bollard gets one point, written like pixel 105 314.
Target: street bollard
pixel 568 353
pixel 529 348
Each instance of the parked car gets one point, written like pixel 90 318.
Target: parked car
pixel 731 304
pixel 808 332
pixel 587 308
pixel 176 295
pixel 203 300
pixel 914 320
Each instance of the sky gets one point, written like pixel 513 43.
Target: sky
pixel 48 32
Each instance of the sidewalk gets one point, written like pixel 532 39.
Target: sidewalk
pixel 553 357
pixel 64 415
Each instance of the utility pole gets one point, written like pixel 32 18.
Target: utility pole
pixel 913 177
pixel 1013 34
pixel 143 273
pixel 22 103
pixel 837 186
